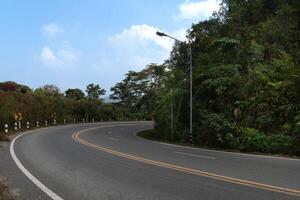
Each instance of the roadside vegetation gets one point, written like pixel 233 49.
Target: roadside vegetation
pixel 4 194
pixel 246 85
pixel 47 103
pixel 246 81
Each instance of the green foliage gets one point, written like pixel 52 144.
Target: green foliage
pixel 253 140
pixel 138 94
pixel 41 104
pixel 94 91
pixel 76 94
pixel 246 79
pixel 217 131
pixel 280 143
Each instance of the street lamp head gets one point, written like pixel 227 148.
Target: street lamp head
pixel 161 34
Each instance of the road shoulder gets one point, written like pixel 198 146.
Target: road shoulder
pixel 145 136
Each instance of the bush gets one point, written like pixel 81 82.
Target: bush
pixel 280 144
pixel 253 140
pixel 218 131
pixel 231 141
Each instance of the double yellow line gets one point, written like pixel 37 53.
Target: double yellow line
pixel 252 184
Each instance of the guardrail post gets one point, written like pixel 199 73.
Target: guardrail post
pixel 16 126
pixel 37 124
pixel 19 124
pixel 54 121
pixel 6 128
pixel 74 120
pixel 64 121
pixel 46 123
pixel 83 121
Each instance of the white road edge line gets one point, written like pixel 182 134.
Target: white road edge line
pixel 38 183
pixel 194 155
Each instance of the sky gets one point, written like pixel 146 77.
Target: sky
pixel 71 43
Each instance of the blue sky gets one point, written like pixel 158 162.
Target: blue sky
pixel 73 43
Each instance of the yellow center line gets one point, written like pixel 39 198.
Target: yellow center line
pixel 252 184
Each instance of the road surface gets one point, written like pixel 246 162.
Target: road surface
pixel 108 161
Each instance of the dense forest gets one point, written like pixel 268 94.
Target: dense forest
pixel 246 81
pixel 246 77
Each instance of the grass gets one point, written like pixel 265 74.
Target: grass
pixel 148 134
pixel 153 135
pixel 4 193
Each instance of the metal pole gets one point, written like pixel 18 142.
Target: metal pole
pixel 190 136
pixel 191 93
pixel 172 123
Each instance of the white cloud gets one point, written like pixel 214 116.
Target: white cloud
pixel 62 59
pixel 204 8
pixel 135 47
pixel 144 34
pixel 47 54
pixel 132 48
pixel 51 29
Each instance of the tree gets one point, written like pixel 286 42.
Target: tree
pixel 8 86
pixel 246 78
pixel 76 94
pixel 48 90
pixel 94 91
pixel 138 91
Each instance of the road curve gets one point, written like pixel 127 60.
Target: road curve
pixel 108 161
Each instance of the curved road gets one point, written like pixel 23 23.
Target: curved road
pixel 108 161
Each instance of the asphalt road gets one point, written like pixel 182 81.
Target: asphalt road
pixel 107 161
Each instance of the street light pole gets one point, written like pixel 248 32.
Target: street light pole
pixel 191 92
pixel 161 34
pixel 172 120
